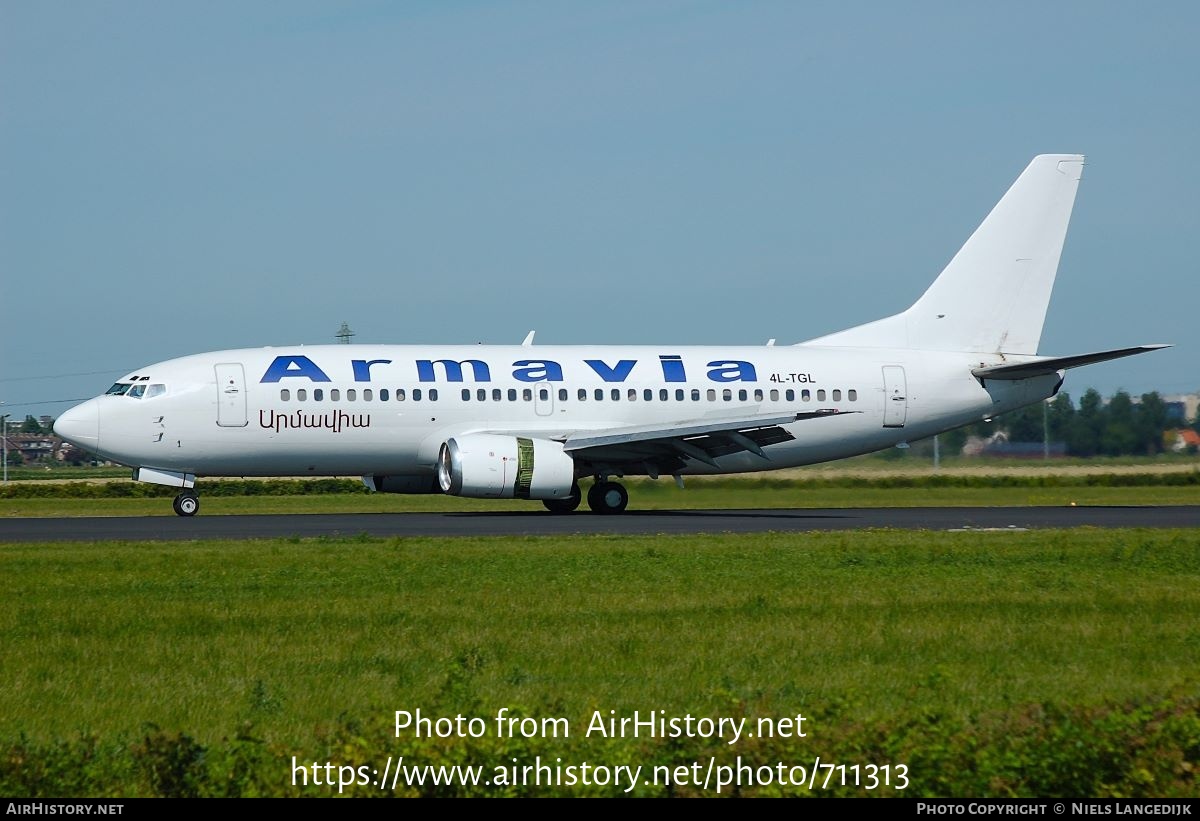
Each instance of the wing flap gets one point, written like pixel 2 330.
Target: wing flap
pixel 659 449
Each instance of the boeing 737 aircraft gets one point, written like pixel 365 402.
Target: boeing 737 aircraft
pixel 529 422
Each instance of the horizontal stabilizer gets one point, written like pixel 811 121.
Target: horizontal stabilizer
pixel 1042 367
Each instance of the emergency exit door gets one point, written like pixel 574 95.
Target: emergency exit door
pixel 895 397
pixel 231 395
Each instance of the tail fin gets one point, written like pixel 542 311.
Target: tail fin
pixel 992 297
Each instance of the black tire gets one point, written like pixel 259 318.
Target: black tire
pixel 186 504
pixel 608 497
pixel 566 505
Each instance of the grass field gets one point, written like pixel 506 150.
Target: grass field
pixel 301 639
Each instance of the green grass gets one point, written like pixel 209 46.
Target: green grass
pixel 202 636
pixel 1032 663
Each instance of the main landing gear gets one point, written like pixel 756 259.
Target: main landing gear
pixel 602 497
pixel 186 503
pixel 564 505
pixel 608 497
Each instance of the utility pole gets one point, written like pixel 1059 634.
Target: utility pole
pixel 344 334
pixel 4 436
pixel 937 454
pixel 1046 430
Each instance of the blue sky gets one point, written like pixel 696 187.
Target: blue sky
pixel 181 177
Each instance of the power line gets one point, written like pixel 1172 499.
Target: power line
pixel 45 402
pixel 61 375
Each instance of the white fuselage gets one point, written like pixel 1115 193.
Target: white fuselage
pixel 387 409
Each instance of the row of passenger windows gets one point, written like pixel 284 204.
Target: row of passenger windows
pixel 583 394
pixel 368 395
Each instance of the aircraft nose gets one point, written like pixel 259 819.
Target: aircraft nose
pixel 81 425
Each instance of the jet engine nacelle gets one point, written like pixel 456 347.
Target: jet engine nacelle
pixel 491 466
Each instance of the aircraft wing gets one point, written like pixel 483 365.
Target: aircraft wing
pixel 1042 367
pixel 656 449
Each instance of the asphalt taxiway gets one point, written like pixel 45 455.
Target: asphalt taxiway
pixel 536 523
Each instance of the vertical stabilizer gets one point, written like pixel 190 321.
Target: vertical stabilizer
pixel 993 295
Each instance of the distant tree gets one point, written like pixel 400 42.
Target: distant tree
pixel 15 459
pixel 31 425
pixel 1061 417
pixel 1084 438
pixel 1024 424
pixel 1150 421
pixel 1119 435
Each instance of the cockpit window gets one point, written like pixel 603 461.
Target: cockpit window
pixel 117 389
pixel 136 391
pixel 155 390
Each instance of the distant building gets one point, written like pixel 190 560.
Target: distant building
pixel 1183 440
pixel 1182 407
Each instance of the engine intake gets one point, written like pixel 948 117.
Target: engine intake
pixel 491 466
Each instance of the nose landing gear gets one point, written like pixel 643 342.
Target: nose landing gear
pixel 186 503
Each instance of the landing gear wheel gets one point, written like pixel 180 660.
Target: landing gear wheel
pixel 564 505
pixel 608 497
pixel 186 504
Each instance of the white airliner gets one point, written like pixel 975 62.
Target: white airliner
pixel 528 422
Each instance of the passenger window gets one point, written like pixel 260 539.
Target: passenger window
pixel 334 395
pixel 679 394
pixel 852 395
pixel 647 394
pixel 712 395
pixel 758 395
pixel 562 394
pixel 821 396
pixel 837 396
pixel 663 395
pixel 695 394
pixel 367 395
pixel 512 394
pixel 582 394
pixel 383 394
pixel 481 394
pixel 318 395
pixel 742 396
pixel 727 394
pixel 432 395
pixel 351 394
pixel 543 394
pixel 632 394
pixel 599 394
pixel 616 394
pixel 416 394
pixel 399 394
pixel 285 394
pixel 806 395
pixel 301 394
pixel 527 394
pixel 790 395
pixel 774 395
pixel 466 394
pixel 497 394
